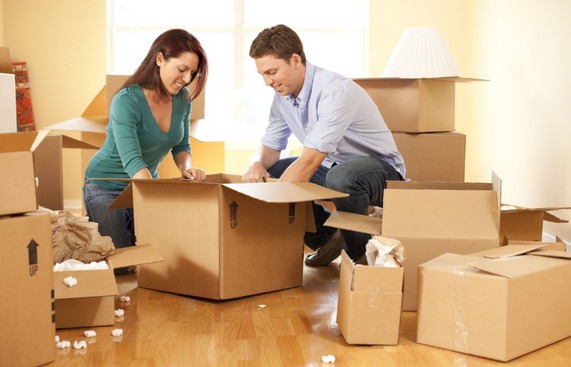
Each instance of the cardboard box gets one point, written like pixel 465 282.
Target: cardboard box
pixel 8 112
pixel 430 219
pixel 28 330
pixel 18 186
pixel 433 156
pixel 223 239
pixel 92 301
pixel 48 165
pixel 501 306
pixel 520 223
pixel 414 105
pixel 370 303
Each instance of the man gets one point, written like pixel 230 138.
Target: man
pixel 346 144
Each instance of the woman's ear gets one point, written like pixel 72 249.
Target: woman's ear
pixel 159 59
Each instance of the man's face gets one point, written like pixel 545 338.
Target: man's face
pixel 285 77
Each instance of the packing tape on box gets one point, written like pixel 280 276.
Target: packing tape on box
pixel 460 330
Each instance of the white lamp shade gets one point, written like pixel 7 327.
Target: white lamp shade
pixel 421 53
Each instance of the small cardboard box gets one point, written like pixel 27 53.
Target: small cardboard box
pixel 414 105
pixel 48 164
pixel 8 112
pixel 92 301
pixel 370 303
pixel 526 224
pixel 433 156
pixel 27 319
pixel 18 186
pixel 500 306
pixel 223 239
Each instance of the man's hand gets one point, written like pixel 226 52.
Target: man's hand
pixel 256 173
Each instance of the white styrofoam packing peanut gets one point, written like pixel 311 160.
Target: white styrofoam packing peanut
pixel 81 344
pixel 63 344
pixel 89 333
pixel 119 312
pixel 125 299
pixel 70 281
pixel 117 332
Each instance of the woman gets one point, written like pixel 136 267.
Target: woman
pixel 149 116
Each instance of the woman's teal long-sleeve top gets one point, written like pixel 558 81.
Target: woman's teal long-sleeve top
pixel 134 140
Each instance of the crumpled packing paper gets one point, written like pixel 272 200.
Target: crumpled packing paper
pixel 75 237
pixel 385 251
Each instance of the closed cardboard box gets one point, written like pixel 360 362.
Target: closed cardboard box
pixel 223 239
pixel 433 156
pixel 18 185
pixel 414 105
pixel 370 303
pixel 91 302
pixel 495 306
pixel 432 218
pixel 26 285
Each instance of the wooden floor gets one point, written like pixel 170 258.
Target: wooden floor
pixel 295 328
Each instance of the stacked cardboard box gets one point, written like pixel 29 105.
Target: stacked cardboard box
pixel 421 115
pixel 27 284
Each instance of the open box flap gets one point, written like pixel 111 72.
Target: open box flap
pixel 354 222
pixel 91 124
pixel 285 192
pixel 552 253
pixel 134 255
pixel 511 250
pixel 21 141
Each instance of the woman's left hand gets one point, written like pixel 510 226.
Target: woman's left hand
pixel 194 174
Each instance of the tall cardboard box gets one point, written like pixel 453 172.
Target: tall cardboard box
pixel 91 302
pixel 526 224
pixel 498 305
pixel 222 239
pixel 18 185
pixel 26 285
pixel 432 218
pixel 433 156
pixel 369 305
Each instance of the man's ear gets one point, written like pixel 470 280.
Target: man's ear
pixel 295 60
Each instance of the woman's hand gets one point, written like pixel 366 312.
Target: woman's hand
pixel 194 174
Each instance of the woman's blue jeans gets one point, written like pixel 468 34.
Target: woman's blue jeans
pixel 364 179
pixel 116 223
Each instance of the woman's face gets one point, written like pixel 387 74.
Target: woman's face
pixel 176 72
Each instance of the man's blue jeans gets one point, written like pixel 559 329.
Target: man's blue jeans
pixel 364 179
pixel 116 223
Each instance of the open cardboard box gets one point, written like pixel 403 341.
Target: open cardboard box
pixel 520 223
pixel 433 156
pixel 8 112
pixel 222 239
pixel 18 186
pixel 369 306
pixel 92 301
pixel 432 218
pixel 26 285
pixel 415 105
pixel 48 164
pixel 499 304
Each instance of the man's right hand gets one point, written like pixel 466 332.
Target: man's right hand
pixel 256 173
